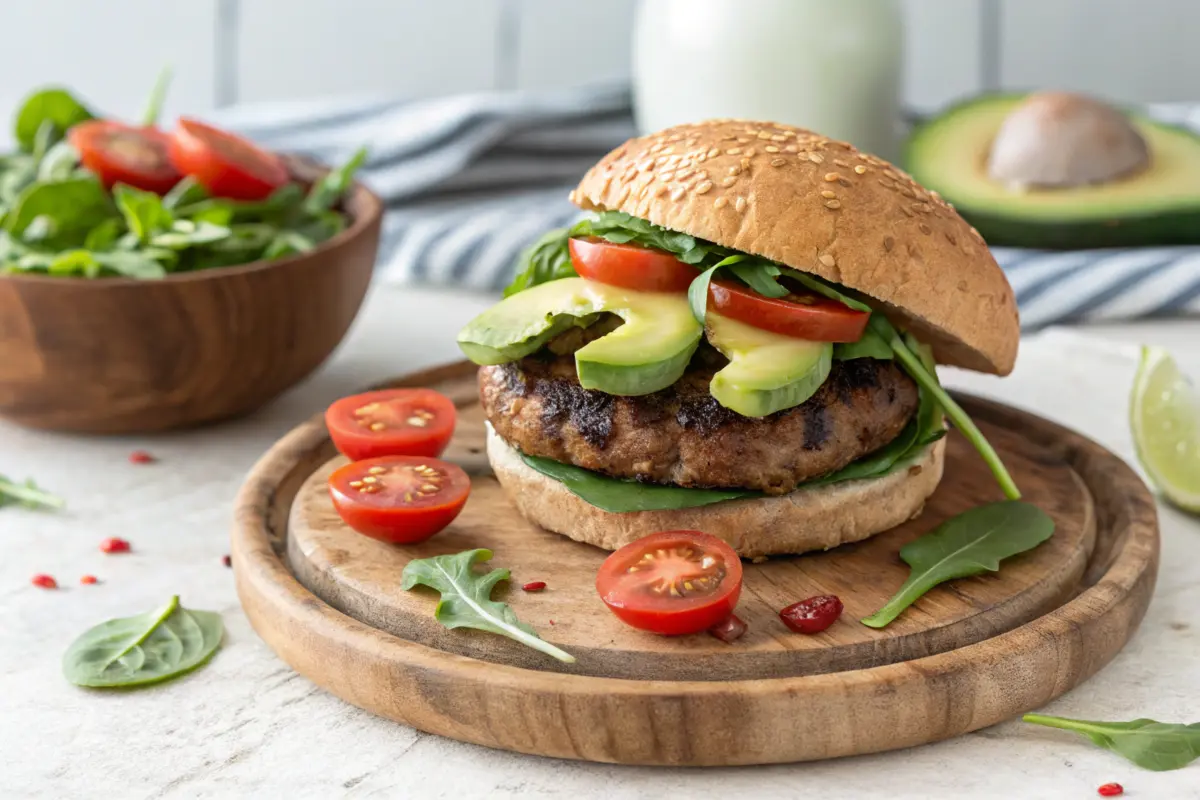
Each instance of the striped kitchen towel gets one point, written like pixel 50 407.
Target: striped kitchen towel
pixel 471 180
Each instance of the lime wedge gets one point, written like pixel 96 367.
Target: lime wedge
pixel 1165 416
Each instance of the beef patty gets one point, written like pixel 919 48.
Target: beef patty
pixel 682 436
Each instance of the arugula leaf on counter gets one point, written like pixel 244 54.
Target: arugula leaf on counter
pixel 971 543
pixel 1153 745
pixel 466 598
pixel 27 495
pixel 144 649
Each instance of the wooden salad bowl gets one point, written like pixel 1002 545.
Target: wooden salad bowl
pixel 122 356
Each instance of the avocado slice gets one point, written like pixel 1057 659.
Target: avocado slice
pixel 767 372
pixel 647 353
pixel 1155 206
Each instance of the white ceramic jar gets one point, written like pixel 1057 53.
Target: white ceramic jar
pixel 834 66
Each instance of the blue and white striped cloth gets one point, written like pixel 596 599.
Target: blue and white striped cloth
pixel 470 180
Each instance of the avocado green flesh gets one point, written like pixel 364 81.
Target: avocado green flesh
pixel 767 372
pixel 1159 205
pixel 649 352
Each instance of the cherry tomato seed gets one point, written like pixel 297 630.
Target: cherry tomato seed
pixel 1111 790
pixel 88 580
pixel 45 581
pixel 534 586
pixel 114 545
pixel 141 457
pixel 227 560
pixel 812 615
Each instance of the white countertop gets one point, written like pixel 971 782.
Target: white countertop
pixel 246 725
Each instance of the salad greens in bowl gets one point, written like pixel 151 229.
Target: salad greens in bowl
pixel 153 279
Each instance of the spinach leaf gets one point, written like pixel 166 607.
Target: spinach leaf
pixel 144 264
pixel 466 598
pixel 144 212
pixel 46 137
pixel 328 191
pixel 55 106
pixel 619 496
pixel 288 243
pixel 871 345
pixel 185 233
pixel 59 164
pixel 21 172
pixel 826 289
pixel 185 193
pixel 698 289
pixel 104 235
pixel 971 543
pixel 621 228
pixel 760 277
pixel 1157 746
pixel 148 648
pixel 74 207
pixel 27 495
pixel 545 260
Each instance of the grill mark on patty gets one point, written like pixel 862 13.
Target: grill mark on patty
pixel 816 425
pixel 590 412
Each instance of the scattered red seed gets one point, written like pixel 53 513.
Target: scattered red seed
pixel 551 622
pixel 88 580
pixel 812 615
pixel 141 457
pixel 730 630
pixel 114 545
pixel 1111 790
pixel 534 586
pixel 227 560
pixel 45 581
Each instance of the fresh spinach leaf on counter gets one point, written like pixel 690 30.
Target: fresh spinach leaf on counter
pixel 27 495
pixel 55 106
pixel 971 543
pixel 466 597
pixel 1153 745
pixel 145 649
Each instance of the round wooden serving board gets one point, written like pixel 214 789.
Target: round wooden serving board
pixel 968 654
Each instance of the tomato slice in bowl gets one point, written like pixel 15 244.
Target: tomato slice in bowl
pixel 804 315
pixel 391 422
pixel 399 499
pixel 225 164
pixel 672 583
pixel 629 265
pixel 119 153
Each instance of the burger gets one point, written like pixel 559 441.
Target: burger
pixel 739 338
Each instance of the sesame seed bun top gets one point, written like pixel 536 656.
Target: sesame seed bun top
pixel 821 206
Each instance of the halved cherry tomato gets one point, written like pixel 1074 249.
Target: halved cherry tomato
pixel 400 499
pixel 224 163
pixel 673 582
pixel 805 315
pixel 629 265
pixel 119 153
pixel 391 422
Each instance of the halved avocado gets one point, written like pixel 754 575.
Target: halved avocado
pixel 1156 206
pixel 767 372
pixel 649 352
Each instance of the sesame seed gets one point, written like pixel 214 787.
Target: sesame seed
pixel 925 229
pixel 830 177
pixel 742 140
pixel 906 211
pixel 733 151
pixel 771 148
pixel 677 193
pixel 735 170
pixel 834 204
pixel 764 134
pixel 779 137
pixel 827 259
pixel 778 162
pixel 828 194
pixel 888 244
pixel 837 162
pixel 659 191
pixel 739 204
pixel 729 181
pixel 720 202
pixel 950 238
pixel 750 151
pixel 816 158
pixel 646 165
pixel 714 152
pixel 791 148
pixel 703 187
pixel 745 163
pixel 683 173
pixel 621 198
pixel 860 169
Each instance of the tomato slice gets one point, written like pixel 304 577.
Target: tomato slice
pixel 672 583
pixel 224 163
pixel 629 265
pixel 119 153
pixel 391 422
pixel 805 315
pixel 400 499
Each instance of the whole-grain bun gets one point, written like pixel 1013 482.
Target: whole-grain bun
pixel 816 518
pixel 822 207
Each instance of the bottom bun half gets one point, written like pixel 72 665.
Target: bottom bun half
pixel 816 518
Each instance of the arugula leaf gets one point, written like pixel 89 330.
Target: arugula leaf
pixel 760 277
pixel 104 235
pixel 46 137
pixel 74 207
pixel 545 260
pixel 466 598
pixel 55 106
pixel 143 211
pixel 971 543
pixel 826 289
pixel 1153 745
pixel 27 495
pixel 871 345
pixel 185 193
pixel 288 243
pixel 148 648
pixel 327 192
pixel 59 164
pixel 185 233
pixel 698 289
pixel 619 496
pixel 145 264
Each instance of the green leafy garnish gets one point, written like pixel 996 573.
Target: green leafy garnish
pixel 327 191
pixel 55 106
pixel 148 648
pixel 619 496
pixel 466 598
pixel 1158 746
pixel 157 95
pixel 971 543
pixel 27 495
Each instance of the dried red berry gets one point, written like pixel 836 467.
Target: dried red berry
pixel 1111 790
pixel 534 586
pixel 730 630
pixel 88 580
pixel 227 560
pixel 812 615
pixel 141 457
pixel 114 545
pixel 45 581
